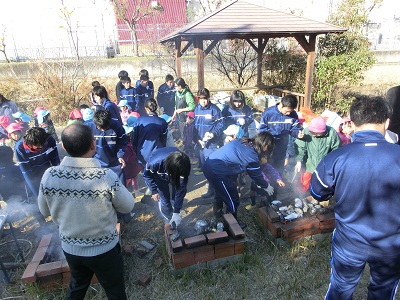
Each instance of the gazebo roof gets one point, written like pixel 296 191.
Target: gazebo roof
pixel 240 19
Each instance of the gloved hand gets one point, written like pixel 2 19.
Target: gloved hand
pixel 176 218
pixel 202 144
pixel 269 190
pixel 297 168
pixel 208 136
pixel 241 121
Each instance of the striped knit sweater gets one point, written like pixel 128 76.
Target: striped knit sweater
pixel 83 198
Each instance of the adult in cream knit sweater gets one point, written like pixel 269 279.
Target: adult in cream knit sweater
pixel 83 199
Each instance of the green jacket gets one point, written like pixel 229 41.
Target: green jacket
pixel 185 99
pixel 310 150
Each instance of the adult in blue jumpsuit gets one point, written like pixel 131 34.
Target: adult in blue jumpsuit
pixel 224 165
pixel 238 112
pixel 281 121
pixel 149 132
pixel 364 178
pixel 207 132
pixel 168 166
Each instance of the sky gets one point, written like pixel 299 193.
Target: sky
pixel 38 23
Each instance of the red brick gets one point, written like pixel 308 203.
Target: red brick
pixel 274 228
pixel 64 266
pixel 262 214
pixel 236 231
pixel 51 281
pixel 167 229
pixel 217 237
pixel 229 219
pixel 239 247
pixel 309 223
pixel 195 241
pixel 204 253
pixel 328 216
pixel 29 275
pixel 183 259
pixel 176 246
pixel 272 214
pixel 45 241
pixel 299 234
pixel 224 249
pixel 49 269
pixel 129 249
pixel 144 279
pixel 66 279
pixel 39 254
pixel 66 275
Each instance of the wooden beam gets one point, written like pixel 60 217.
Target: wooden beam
pixel 186 47
pixel 252 45
pixel 198 47
pixel 178 55
pixel 301 39
pixel 211 46
pixel 309 70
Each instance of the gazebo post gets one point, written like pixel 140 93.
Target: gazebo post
pixel 178 55
pixel 198 47
pixel 309 70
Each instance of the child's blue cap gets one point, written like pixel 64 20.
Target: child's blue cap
pixel 41 114
pixel 131 121
pixel 20 115
pixel 166 117
pixel 87 114
pixel 123 103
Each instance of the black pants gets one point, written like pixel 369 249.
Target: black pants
pixel 108 268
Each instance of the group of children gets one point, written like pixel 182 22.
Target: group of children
pixel 123 144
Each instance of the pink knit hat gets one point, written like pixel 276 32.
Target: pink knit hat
pixel 13 127
pixel 190 114
pixel 317 125
pixel 75 114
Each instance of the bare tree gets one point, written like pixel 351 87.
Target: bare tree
pixel 237 61
pixel 3 44
pixel 73 34
pixel 131 12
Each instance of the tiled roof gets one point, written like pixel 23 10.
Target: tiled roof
pixel 240 19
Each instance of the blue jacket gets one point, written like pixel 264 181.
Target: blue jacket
pixel 149 133
pixel 110 144
pixel 276 123
pixel 207 119
pixel 142 94
pixel 129 95
pixel 155 167
pixel 232 116
pixel 113 110
pixel 234 158
pixel 166 98
pixel 34 164
pixel 364 177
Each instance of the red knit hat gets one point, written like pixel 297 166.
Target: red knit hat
pixel 75 114
pixel 12 128
pixel 4 121
pixel 317 125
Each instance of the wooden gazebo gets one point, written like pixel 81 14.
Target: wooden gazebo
pixel 243 20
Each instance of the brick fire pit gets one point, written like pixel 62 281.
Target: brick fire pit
pixel 206 250
pixel 293 230
pixel 49 274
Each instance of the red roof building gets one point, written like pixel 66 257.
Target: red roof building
pixel 151 28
